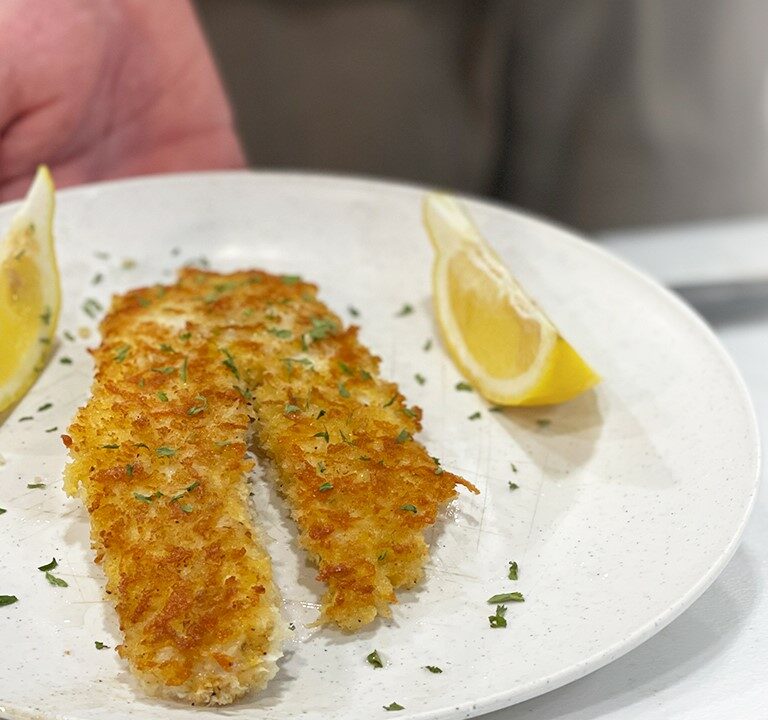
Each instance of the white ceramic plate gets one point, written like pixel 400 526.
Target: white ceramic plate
pixel 630 500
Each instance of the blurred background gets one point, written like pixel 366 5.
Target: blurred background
pixel 597 113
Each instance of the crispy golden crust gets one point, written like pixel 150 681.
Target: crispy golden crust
pixel 159 457
pixel 360 488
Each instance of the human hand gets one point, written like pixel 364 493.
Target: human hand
pixel 101 89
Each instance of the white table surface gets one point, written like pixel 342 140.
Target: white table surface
pixel 712 662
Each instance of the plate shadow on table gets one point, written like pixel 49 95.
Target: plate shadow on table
pixel 697 637
pixel 728 303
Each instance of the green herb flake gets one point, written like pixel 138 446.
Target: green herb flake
pixel 290 279
pixel 513 466
pixel 543 422
pixel 343 390
pixel 506 597
pixel 420 378
pixel 45 407
pixel 100 645
pixel 404 436
pixel 374 659
pixel 353 311
pixel 3 511
pixel 390 401
pixel 280 333
pixel 49 566
pixel 144 302
pixel 166 348
pixel 409 508
pixel 201 404
pixel 513 486
pixel 129 470
pixel 96 279
pixel 46 316
pixel 8 600
pixel 434 669
pixel 36 485
pixel 405 310
pixel 144 498
pixel 26 418
pixel 56 581
pixel 165 452
pixel 291 409
pixel 474 416
pixel 186 508
pixel 320 414
pixel 168 370
pixel 101 255
pixel 427 345
pixel 162 396
pixel 69 336
pixel 345 368
pixel 64 360
pixel 513 571
pixel 498 620
pixel 229 363
pixel 323 435
pixel 393 706
pixel 365 375
pixel 184 337
pixel 92 308
pixel 109 446
pixel 321 467
pixel 464 387
pixel 325 487
pixel 410 413
pixel 183 373
pixel 52 429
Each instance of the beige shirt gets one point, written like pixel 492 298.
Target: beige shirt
pixel 598 113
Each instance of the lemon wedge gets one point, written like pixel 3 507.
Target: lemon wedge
pixel 30 294
pixel 496 334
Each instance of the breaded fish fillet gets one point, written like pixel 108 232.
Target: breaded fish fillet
pixel 159 458
pixel 339 438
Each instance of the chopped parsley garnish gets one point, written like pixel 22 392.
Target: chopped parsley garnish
pixel 168 370
pixel 345 368
pixel 325 487
pixel 183 373
pixel 186 508
pixel 464 387
pixel 543 422
pixel 49 566
pixel 409 508
pixel 320 414
pixel 289 279
pixel 321 467
pixel 404 436
pixel 405 310
pixel 8 600
pixel 26 418
pixel 475 415
pixel 129 470
pixel 354 312
pixel 229 363
pixel 374 659
pixel 141 445
pixel 245 393
pixel 162 396
pixel 100 645
pixel 144 498
pixel 3 511
pixel 409 412
pixel 45 407
pixel 495 408
pixel 35 486
pixel 323 435
pixel 185 336
pixel 290 409
pixel 166 348
pixel 280 333
pixel 513 466
pixel 144 302
pixel 513 571
pixel 181 493
pixel 97 278
pixel 513 486
pixel 69 336
pixel 433 669
pixel 122 353
pixel 506 597
pixel 427 345
pixel 65 360
pixel 365 375
pixel 420 378
pixel 101 255
pixel 393 706
pixel 165 452
pixel 390 401
pixel 109 446
pixel 498 620
pixel 201 405
pixel 52 429
pixel 343 390
pixel 321 329
pixel 290 362
pixel 92 308
pixel 345 438
pixel 56 581
pixel 46 316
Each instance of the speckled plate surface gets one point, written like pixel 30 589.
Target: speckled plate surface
pixel 631 499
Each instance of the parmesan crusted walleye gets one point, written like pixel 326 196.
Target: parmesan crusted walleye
pixel 159 459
